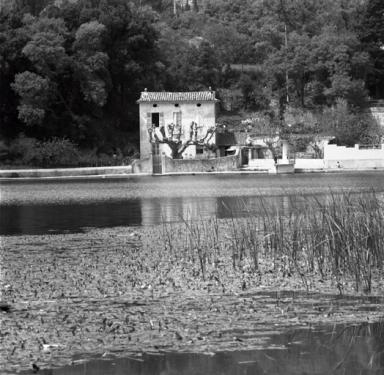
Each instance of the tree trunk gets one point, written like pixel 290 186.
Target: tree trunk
pixel 174 8
pixel 176 154
pixel 195 7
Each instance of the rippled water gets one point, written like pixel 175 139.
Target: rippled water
pixel 72 205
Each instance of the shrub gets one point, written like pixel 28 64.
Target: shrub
pixel 4 151
pixel 23 150
pixel 52 153
pixel 57 153
pixel 348 127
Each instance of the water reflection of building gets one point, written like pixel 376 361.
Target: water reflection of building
pixel 169 209
pixel 257 205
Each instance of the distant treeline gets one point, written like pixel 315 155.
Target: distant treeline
pixel 74 69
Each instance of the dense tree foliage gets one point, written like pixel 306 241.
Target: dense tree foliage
pixel 371 32
pixel 73 69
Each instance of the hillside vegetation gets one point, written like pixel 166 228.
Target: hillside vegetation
pixel 74 69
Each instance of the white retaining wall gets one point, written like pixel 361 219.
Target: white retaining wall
pixel 335 158
pixel 261 164
pixel 65 172
pixel 334 152
pixel 341 157
pixel 309 164
pixel 355 164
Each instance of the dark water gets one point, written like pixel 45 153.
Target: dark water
pixel 70 206
pixel 349 350
pixel 72 217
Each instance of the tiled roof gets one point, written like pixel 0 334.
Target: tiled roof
pixel 192 96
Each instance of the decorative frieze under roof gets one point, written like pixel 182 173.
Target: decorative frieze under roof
pixel 164 96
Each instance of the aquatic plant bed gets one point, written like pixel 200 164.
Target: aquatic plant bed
pixel 204 287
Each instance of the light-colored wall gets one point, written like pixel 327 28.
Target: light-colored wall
pixel 65 172
pixel 334 152
pixel 222 164
pixel 142 165
pixel 261 164
pixel 357 164
pixel 309 164
pixel 335 158
pixel 341 157
pixel 204 116
pixel 378 114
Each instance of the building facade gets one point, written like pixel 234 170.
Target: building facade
pixel 182 110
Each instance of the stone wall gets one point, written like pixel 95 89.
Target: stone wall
pixel 223 164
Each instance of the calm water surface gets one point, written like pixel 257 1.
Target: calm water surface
pixel 48 206
pixel 347 350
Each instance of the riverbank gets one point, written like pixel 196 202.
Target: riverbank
pixel 98 172
pixel 126 172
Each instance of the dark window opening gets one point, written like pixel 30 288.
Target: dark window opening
pixel 156 119
pixel 176 105
pixel 155 148
pixel 155 105
pixel 199 150
pixel 198 104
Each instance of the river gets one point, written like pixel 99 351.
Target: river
pixel 61 206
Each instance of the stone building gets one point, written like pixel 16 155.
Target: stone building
pixel 182 109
